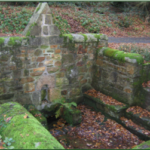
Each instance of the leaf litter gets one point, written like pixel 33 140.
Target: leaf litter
pixel 95 132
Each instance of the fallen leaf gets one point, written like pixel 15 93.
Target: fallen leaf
pixel 9 118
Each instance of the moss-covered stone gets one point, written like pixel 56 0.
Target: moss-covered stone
pixel 38 8
pixel 28 133
pixel 38 52
pixel 144 145
pixel 121 56
pixel 26 72
pixel 85 37
pixel 30 29
pixel 67 36
pixel 44 46
pixel 37 114
pixel 15 41
pixel 2 39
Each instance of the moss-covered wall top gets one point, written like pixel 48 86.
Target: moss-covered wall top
pixel 119 74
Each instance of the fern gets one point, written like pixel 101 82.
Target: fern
pixel 67 105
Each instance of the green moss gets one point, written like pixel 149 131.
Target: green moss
pixel 44 46
pixel 43 94
pixel 2 39
pixel 146 64
pixel 85 37
pixel 98 36
pixel 26 72
pixel 67 36
pixel 120 55
pixel 30 28
pixel 13 41
pixel 38 8
pixel 72 116
pixel 143 145
pixel 27 132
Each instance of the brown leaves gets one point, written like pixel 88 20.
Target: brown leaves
pixel 97 133
pixel 7 120
pixel 106 99
pixel 26 116
pixel 146 84
pixel 137 127
pixel 139 110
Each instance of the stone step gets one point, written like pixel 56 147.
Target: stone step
pixel 106 104
pixel 139 116
pixel 135 128
pixel 117 111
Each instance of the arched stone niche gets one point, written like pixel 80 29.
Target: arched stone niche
pixel 44 84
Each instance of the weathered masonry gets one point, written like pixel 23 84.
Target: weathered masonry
pixel 45 66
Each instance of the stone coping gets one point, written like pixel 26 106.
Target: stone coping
pixel 121 56
pixel 88 37
pixel 54 39
pixel 26 130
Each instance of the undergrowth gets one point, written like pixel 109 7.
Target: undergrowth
pixel 64 105
pixel 7 143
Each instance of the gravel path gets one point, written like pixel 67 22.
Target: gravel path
pixel 128 40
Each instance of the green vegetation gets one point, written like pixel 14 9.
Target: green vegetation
pixel 62 24
pixel 15 21
pixel 64 105
pixel 38 7
pixel 91 17
pixel 8 142
pixel 145 52
pixel 120 55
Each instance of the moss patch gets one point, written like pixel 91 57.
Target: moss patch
pixel 28 133
pixel 30 28
pixel 67 36
pixel 38 8
pixel 44 46
pixel 98 36
pixel 2 39
pixel 15 41
pixel 144 145
pixel 85 37
pixel 121 56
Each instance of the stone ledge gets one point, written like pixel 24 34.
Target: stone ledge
pixel 121 55
pixel 84 37
pixel 28 133
pixel 112 110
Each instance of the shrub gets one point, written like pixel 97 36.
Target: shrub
pixel 124 22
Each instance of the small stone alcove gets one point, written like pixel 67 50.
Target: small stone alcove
pixel 44 93
pixel 44 84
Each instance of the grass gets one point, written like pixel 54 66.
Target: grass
pixel 74 17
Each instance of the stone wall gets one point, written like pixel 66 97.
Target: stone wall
pixel 44 66
pixel 120 75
